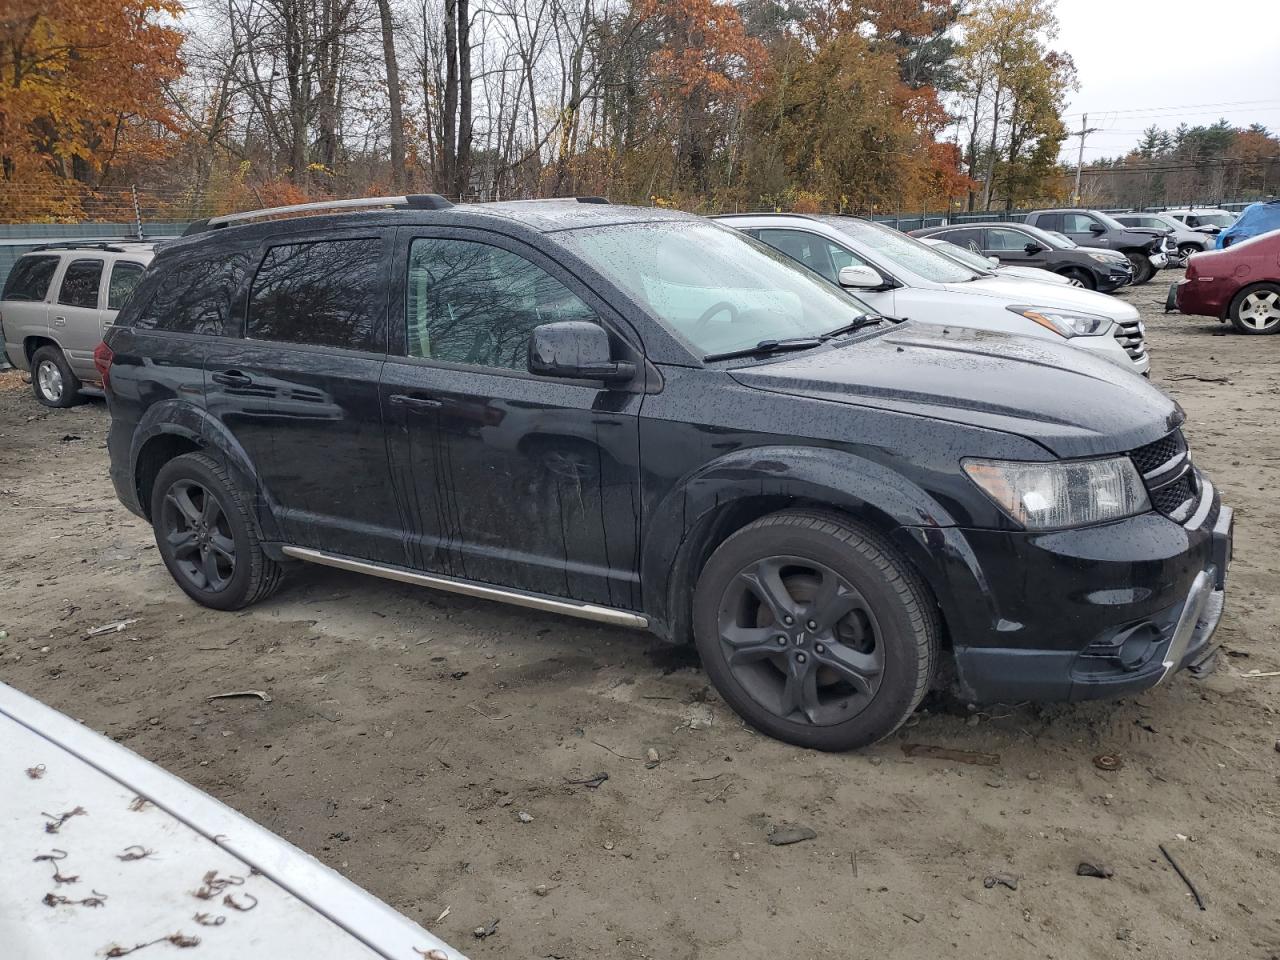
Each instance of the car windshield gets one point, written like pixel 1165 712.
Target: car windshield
pixel 1060 240
pixel 1109 221
pixel 907 252
pixel 958 253
pixel 717 288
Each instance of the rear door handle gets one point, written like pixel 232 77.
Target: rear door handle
pixel 232 378
pixel 414 403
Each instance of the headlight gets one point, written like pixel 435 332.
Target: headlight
pixel 1065 323
pixel 1072 493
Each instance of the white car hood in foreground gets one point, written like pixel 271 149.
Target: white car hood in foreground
pixel 1032 273
pixel 1034 293
pixel 104 853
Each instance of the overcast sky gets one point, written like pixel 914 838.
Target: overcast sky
pixel 1164 61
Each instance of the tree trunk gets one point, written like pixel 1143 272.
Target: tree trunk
pixel 449 112
pixel 462 169
pixel 399 180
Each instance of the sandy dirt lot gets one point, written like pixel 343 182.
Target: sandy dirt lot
pixel 410 729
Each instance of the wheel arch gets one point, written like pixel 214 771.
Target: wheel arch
pixel 33 342
pixel 722 497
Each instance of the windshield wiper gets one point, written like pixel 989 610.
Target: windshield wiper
pixel 765 347
pixel 857 323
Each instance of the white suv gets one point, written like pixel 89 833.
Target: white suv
pixel 899 276
pixel 57 302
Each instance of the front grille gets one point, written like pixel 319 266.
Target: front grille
pixel 1150 458
pixel 1129 335
pixel 1166 470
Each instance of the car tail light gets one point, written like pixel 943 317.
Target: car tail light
pixel 102 357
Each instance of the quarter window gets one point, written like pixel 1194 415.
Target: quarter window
pixel 29 279
pixel 476 304
pixel 327 293
pixel 80 284
pixel 124 277
pixel 195 296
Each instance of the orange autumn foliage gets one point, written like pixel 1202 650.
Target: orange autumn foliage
pixel 81 92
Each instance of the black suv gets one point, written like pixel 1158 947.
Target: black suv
pixel 647 419
pixel 1018 245
pixel 1146 248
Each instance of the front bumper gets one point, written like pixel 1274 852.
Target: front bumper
pixel 1158 260
pixel 1093 613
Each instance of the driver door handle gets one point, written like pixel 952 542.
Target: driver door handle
pixel 414 403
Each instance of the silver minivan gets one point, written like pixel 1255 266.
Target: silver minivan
pixel 57 302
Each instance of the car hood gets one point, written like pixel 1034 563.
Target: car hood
pixel 1111 254
pixel 1033 273
pixel 1068 401
pixel 1034 293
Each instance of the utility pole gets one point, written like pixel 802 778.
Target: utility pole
pixel 1083 132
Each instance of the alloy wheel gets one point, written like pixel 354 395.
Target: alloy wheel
pixel 49 377
pixel 198 535
pixel 1260 310
pixel 801 640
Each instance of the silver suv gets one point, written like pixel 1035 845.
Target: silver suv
pixel 57 302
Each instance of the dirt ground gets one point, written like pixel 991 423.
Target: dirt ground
pixel 409 729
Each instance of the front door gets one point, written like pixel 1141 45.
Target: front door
pixel 1011 247
pixel 506 477
pixel 298 389
pixel 75 316
pixel 1085 230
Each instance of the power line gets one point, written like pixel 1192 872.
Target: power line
pixel 1184 106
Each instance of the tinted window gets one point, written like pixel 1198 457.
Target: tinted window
pixel 476 304
pixel 195 296
pixel 29 279
pixel 1001 238
pixel 327 293
pixel 80 283
pixel 124 277
pixel 971 238
pixel 1049 221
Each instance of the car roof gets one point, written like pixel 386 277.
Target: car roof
pixel 99 246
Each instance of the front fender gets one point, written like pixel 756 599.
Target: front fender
pixel 683 523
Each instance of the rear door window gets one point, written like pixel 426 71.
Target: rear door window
pixel 196 296
pixel 29 279
pixel 125 275
pixel 80 284
pixel 971 238
pixel 1049 221
pixel 325 293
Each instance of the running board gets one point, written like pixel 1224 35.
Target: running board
pixel 584 611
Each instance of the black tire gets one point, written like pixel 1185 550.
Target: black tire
pixel 220 562
pixel 1142 268
pixel 1255 310
pixel 779 677
pixel 52 380
pixel 1081 278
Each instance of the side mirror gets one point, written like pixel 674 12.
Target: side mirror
pixel 576 349
pixel 1097 228
pixel 860 277
pixel 1032 248
pixel 995 261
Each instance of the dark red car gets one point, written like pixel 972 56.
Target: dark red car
pixel 1240 284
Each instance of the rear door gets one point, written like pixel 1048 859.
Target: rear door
pixel 25 309
pixel 75 317
pixel 297 387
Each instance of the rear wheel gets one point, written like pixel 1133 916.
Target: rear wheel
pixel 815 630
pixel 1142 268
pixel 1080 278
pixel 207 537
pixel 52 379
pixel 1187 249
pixel 1256 309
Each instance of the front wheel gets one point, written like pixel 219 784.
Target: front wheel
pixel 815 630
pixel 207 537
pixel 1080 278
pixel 1256 309
pixel 1187 249
pixel 1142 268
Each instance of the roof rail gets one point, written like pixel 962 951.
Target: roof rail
pixel 109 246
pixel 413 201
